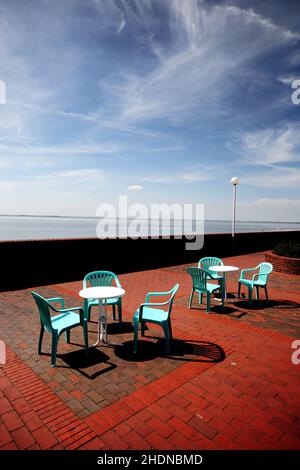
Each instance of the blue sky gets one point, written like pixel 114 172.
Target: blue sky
pixel 160 100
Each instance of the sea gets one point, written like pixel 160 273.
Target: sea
pixel 41 227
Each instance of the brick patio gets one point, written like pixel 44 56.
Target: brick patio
pixel 228 384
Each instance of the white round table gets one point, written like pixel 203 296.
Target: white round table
pixel 102 293
pixel 224 270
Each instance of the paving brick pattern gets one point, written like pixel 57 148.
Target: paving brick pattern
pixel 228 384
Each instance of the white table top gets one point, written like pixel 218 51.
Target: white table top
pixel 223 268
pixel 101 292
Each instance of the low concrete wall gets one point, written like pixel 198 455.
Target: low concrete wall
pixel 283 264
pixel 40 262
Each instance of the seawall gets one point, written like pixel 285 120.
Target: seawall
pixel 31 263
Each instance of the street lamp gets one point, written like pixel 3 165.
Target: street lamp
pixel 234 181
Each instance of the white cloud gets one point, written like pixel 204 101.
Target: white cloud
pixel 277 203
pixel 122 26
pixel 274 178
pixel 271 146
pixel 9 186
pixel 193 76
pixel 280 209
pixel 191 174
pixel 286 79
pixel 135 187
pixel 4 163
pixel 63 150
pixel 87 175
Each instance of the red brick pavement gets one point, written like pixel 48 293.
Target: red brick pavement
pixel 229 384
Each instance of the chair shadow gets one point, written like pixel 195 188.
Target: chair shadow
pixel 96 359
pixel 197 351
pixel 181 350
pixel 259 304
pixel 226 310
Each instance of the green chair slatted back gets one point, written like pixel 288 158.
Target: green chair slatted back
pixel 200 279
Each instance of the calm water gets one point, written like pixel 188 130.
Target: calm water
pixel 28 228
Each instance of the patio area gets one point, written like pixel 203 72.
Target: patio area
pixel 229 382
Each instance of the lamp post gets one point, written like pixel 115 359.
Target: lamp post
pixel 234 181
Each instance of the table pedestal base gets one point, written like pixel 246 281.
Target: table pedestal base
pixel 102 325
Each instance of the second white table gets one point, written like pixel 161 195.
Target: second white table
pixel 224 270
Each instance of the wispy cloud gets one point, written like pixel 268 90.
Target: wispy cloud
pixel 270 146
pixel 274 178
pixel 86 175
pixel 135 187
pixel 286 79
pixel 9 186
pixel 58 150
pixel 277 203
pixel 284 209
pixel 191 174
pixel 206 46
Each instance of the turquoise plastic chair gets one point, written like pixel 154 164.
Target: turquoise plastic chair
pixel 258 280
pixel 200 278
pixel 207 262
pixel 149 312
pixel 58 324
pixel 102 278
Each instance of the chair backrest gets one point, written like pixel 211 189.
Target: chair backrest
pixel 199 277
pixel 209 261
pixel 264 270
pixel 44 311
pixel 171 299
pixel 99 278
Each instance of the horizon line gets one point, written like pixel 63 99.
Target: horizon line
pixel 120 218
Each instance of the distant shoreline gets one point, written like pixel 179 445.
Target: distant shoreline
pixel 118 218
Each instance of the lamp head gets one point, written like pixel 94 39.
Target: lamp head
pixel 235 181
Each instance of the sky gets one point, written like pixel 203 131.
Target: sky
pixel 160 100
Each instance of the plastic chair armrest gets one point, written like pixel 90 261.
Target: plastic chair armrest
pixel 65 310
pixel 246 270
pixel 158 294
pixel 57 299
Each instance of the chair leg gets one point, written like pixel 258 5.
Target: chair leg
pixel 191 298
pixel 239 291
pixel 143 325
pixel 86 339
pixel 67 336
pixel 41 339
pixel 170 329
pixel 266 291
pixel 120 313
pixel 54 349
pixel 135 335
pixel 207 302
pixel 167 337
pixel 223 297
pixel 257 292
pixel 114 311
pixel 250 296
pixel 89 313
